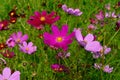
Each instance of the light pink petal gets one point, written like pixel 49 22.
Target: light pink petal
pixel 89 38
pixel 24 44
pixel 19 34
pixel 6 72
pixel 30 44
pixel 15 76
pixel 64 30
pixel 78 35
pixel 55 29
pixel 93 46
pixel 1 77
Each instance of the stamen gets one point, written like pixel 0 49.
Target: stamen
pixel 42 18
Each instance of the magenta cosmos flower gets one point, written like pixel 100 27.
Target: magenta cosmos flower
pixel 6 75
pixel 28 48
pixel 18 37
pixel 40 19
pixel 59 38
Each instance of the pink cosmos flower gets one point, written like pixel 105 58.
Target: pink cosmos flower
pixel 4 24
pixel 59 38
pixel 63 55
pixel 72 11
pixel 107 69
pixel 28 48
pixel 88 41
pixel 40 19
pixel 107 6
pixel 6 75
pixel 109 14
pixel 10 43
pixel 18 37
pixel 91 27
pixel 8 54
pixel 97 65
pixel 104 50
pixel 100 15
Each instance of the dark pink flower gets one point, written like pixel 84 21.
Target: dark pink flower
pixel 28 48
pixel 8 54
pixel 6 74
pixel 18 37
pixel 59 68
pixel 4 24
pixel 59 38
pixel 117 25
pixel 38 20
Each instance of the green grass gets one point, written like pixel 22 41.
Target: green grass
pixel 39 63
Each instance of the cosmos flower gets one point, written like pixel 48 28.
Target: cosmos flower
pixel 38 20
pixel 58 38
pixel 104 50
pixel 117 25
pixel 8 54
pixel 109 14
pixel 10 43
pixel 28 47
pixel 4 24
pixel 100 15
pixel 72 11
pixel 18 37
pixel 107 69
pixel 2 46
pixel 63 55
pixel 97 66
pixel 91 27
pixel 6 74
pixel 59 68
pixel 83 40
pixel 107 6
pixel 88 41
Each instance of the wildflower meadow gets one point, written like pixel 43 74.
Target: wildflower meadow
pixel 59 40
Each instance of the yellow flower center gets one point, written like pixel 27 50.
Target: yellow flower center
pixel 27 49
pixel 18 40
pixel 60 69
pixel 1 46
pixel 42 18
pixel 2 25
pixel 13 21
pixel 12 14
pixel 7 55
pixel 59 39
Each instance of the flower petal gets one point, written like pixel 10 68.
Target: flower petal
pixel 78 35
pixel 15 76
pixel 6 73
pixel 64 30
pixel 89 38
pixel 93 46
pixel 19 34
pixel 55 29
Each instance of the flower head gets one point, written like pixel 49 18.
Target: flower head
pixel 6 75
pixel 97 66
pixel 28 48
pixel 100 15
pixel 117 25
pixel 59 38
pixel 2 46
pixel 8 54
pixel 40 19
pixel 59 68
pixel 107 69
pixel 63 55
pixel 10 42
pixel 18 37
pixel 4 24
pixel 72 11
